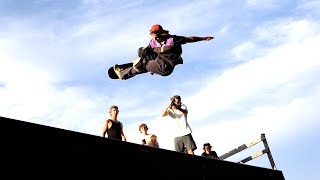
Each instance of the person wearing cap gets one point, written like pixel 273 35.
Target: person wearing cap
pixel 112 127
pixel 177 111
pixel 148 139
pixel 160 56
pixel 208 152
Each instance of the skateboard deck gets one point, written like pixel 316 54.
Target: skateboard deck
pixel 113 75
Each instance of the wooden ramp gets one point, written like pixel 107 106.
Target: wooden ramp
pixel 31 150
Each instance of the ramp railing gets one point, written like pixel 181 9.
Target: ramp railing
pixel 267 151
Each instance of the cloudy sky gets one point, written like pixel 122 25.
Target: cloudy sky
pixel 259 75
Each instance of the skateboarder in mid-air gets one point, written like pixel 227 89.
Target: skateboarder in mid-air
pixel 161 55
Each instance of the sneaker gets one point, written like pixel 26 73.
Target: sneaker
pixel 137 64
pixel 117 70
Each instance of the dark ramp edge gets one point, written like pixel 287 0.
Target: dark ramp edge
pixel 32 150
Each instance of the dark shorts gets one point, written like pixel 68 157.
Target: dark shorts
pixel 159 67
pixel 184 142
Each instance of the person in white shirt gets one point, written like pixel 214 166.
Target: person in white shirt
pixel 178 112
pixel 148 139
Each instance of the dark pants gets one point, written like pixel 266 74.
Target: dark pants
pixel 155 66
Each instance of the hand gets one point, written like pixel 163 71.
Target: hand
pixel 174 106
pixel 208 38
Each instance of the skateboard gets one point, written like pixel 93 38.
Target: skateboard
pixel 113 75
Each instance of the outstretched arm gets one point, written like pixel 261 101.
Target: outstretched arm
pixel 196 38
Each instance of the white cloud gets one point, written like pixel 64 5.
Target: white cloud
pixel 264 83
pixel 240 51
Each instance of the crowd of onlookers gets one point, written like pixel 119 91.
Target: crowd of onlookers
pixel 177 111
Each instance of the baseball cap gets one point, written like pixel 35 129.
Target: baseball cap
pixel 155 29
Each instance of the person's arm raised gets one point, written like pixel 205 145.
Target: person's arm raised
pixel 197 38
pixel 165 111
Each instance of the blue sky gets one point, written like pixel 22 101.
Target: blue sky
pixel 259 75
